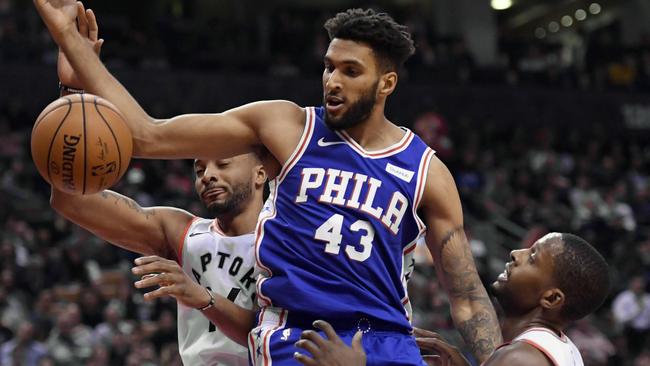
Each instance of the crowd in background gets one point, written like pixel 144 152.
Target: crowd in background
pixel 67 298
pixel 175 34
pixel 68 295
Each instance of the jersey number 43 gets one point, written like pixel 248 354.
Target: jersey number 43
pixel 330 233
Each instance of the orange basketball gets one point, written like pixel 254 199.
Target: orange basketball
pixel 81 144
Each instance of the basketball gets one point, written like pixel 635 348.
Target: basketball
pixel 81 144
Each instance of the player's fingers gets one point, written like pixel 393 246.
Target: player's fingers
pixel 310 347
pixel 356 341
pixel 314 337
pixel 423 333
pixel 148 259
pixel 93 28
pixel 426 344
pixel 328 330
pixel 160 292
pixel 156 267
pixel 97 47
pixel 82 22
pixel 433 360
pixel 436 345
pixel 160 279
pixel 304 359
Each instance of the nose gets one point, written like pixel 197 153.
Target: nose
pixel 515 254
pixel 333 81
pixel 211 174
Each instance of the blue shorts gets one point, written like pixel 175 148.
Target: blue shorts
pixel 272 342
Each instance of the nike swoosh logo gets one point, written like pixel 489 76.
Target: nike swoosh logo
pixel 195 234
pixel 323 143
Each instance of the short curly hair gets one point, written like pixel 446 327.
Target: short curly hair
pixel 582 273
pixel 390 41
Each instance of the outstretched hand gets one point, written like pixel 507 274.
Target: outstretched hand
pixel 87 25
pixel 331 351
pixel 58 15
pixel 446 354
pixel 171 281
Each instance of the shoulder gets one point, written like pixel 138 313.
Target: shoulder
pixel 440 188
pixel 278 110
pixel 518 353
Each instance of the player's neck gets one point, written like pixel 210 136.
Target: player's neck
pixel 376 132
pixel 512 326
pixel 240 223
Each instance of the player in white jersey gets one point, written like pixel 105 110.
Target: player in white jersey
pixel 558 280
pixel 190 258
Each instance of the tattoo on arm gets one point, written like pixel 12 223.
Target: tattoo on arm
pixel 130 203
pixel 481 331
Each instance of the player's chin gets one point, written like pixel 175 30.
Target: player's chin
pixel 496 287
pixel 334 121
pixel 216 205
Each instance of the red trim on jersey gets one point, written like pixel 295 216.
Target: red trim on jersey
pixel 251 348
pixel 426 161
pixel 562 337
pixel 400 145
pixel 419 191
pixel 302 144
pixel 182 243
pixel 541 349
pixel 260 295
pixel 259 231
pixel 265 345
pixel 408 250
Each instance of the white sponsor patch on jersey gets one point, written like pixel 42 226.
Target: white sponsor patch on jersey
pixel 401 173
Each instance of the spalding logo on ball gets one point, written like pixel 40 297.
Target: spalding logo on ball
pixel 81 144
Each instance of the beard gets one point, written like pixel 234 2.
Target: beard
pixel 234 203
pixel 357 112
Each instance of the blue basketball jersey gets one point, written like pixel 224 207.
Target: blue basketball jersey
pixel 336 236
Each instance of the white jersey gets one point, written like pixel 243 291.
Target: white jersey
pixel 225 265
pixel 559 349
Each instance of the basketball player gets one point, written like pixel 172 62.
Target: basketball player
pixel 195 258
pixel 336 240
pixel 558 280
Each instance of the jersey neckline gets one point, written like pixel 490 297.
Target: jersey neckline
pixel 393 149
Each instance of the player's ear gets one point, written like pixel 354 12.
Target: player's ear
pixel 387 83
pixel 553 299
pixel 260 175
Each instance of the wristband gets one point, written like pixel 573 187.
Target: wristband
pixel 69 89
pixel 210 304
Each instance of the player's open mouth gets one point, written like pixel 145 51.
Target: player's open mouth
pixel 503 276
pixel 333 104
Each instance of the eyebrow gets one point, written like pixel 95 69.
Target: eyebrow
pixel 345 62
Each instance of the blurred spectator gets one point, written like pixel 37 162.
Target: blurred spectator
pixel 594 346
pixel 70 342
pixel 22 349
pixel 632 311
pixel 432 128
pixel 113 324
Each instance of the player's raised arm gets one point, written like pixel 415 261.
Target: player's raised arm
pixel 471 308
pixel 210 136
pixel 120 220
